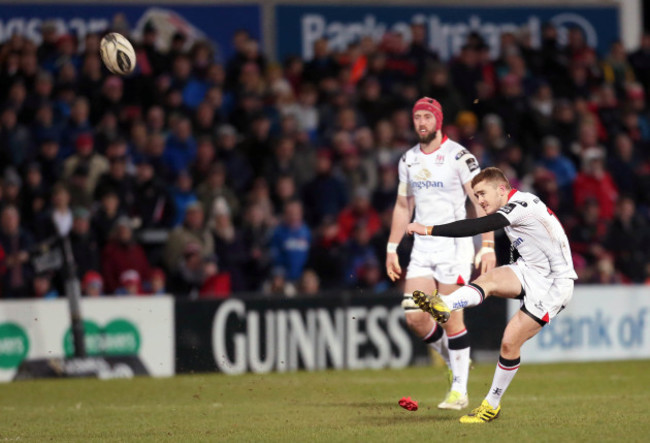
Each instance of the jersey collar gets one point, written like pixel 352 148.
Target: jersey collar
pixel 511 193
pixel 444 139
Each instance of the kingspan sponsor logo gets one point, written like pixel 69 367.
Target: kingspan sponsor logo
pixel 14 345
pixel 426 184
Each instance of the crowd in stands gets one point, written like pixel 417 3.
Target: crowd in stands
pixel 206 178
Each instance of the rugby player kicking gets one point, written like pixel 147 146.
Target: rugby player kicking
pixel 542 277
pixel 434 181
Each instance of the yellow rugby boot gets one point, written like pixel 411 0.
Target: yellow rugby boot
pixel 432 304
pixel 482 414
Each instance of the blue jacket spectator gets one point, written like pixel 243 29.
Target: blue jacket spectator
pixel 558 164
pixel 180 148
pixel 183 196
pixel 291 241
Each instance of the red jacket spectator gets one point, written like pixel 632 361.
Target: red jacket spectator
pixel 359 211
pixel 122 254
pixel 595 182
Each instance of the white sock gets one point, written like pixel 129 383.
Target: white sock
pixel 436 339
pixel 466 296
pixel 459 360
pixel 503 375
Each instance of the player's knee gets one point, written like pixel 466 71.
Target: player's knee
pixel 419 322
pixel 509 348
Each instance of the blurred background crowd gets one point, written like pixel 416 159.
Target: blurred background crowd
pixel 204 177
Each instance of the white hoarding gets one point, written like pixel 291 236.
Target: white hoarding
pixel 38 329
pixel 600 323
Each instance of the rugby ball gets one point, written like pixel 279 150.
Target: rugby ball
pixel 117 53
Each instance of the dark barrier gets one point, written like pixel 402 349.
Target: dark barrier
pixel 115 366
pixel 264 335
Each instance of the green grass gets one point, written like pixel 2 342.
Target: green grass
pixel 571 402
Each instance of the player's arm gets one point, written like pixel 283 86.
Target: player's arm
pixel 461 228
pixel 485 256
pixel 402 214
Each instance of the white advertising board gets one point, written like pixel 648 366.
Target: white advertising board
pixel 600 323
pixel 40 329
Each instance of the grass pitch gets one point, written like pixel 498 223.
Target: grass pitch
pixel 569 402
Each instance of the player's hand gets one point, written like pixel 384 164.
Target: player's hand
pixel 393 269
pixel 416 228
pixel 486 259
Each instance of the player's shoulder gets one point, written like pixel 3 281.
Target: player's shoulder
pixel 410 154
pixel 522 202
pixel 455 149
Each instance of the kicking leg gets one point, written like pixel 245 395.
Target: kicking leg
pixel 501 282
pixel 520 328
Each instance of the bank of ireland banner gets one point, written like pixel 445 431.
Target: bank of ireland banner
pixel 298 27
pixel 141 327
pixel 217 23
pixel 600 323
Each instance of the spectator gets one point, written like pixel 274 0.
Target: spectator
pixel 216 284
pixel 77 124
pixel 96 164
pixel 92 284
pixel 56 222
pixel 180 147
pixel 191 231
pixel 118 181
pixel 153 205
pixel 104 219
pixel 640 61
pixel 85 248
pixel 183 195
pixel 595 181
pixel 16 243
pixel 122 253
pixel 290 242
pixel 324 195
pixel 187 276
pixel 14 137
pixel 371 277
pixel 358 212
pixel 48 158
pixel 229 245
pixel 357 252
pixel 130 283
pixel 11 187
pixel 239 170
pixel 309 284
pixel 256 233
pixel 42 286
pixel 628 239
pixel 561 167
pixel 588 232
pixel 214 187
pixel 322 65
pixel 158 282
pixel 277 285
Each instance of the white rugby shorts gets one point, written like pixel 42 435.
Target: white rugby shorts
pixel 543 297
pixel 444 265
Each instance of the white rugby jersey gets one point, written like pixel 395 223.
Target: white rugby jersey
pixel 538 235
pixel 436 181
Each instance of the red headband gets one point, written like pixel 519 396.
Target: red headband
pixel 431 105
